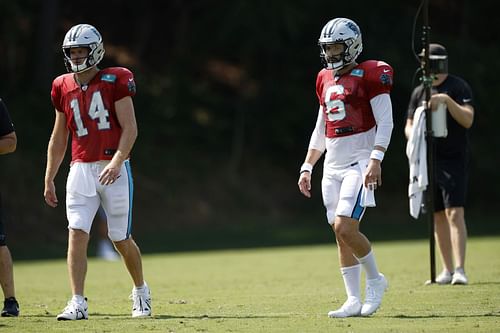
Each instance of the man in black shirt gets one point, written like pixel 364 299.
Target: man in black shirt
pixel 451 162
pixel 8 141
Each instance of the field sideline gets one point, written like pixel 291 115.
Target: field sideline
pixel 285 289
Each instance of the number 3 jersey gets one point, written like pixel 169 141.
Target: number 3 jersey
pixel 90 111
pixel 346 123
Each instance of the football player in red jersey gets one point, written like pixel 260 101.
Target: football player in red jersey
pixel 95 107
pixel 354 126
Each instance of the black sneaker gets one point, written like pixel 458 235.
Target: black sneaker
pixel 10 307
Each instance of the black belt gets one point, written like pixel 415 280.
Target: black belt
pixel 344 130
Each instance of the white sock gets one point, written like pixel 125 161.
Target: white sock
pixel 370 266
pixel 141 288
pixel 105 245
pixel 78 299
pixel 352 280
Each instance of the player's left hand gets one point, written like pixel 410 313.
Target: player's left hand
pixel 373 175
pixel 109 174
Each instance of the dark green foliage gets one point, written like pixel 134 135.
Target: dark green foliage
pixel 226 99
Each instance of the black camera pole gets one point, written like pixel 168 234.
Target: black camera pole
pixel 429 136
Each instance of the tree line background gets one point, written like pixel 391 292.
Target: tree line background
pixel 226 104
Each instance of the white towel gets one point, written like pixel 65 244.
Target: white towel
pixel 416 151
pixel 81 180
pixel 367 194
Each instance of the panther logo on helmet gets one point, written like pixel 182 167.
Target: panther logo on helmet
pixel 83 35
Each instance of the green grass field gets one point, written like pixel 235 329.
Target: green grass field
pixel 285 289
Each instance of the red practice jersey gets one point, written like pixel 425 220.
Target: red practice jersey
pixel 345 100
pixel 90 111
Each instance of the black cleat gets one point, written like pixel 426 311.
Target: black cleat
pixel 10 307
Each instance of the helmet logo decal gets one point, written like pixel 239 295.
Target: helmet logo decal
pixel 96 32
pixel 353 27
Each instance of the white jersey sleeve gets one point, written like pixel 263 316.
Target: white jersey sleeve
pixel 318 135
pixel 382 111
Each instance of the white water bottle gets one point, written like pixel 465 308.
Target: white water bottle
pixel 439 127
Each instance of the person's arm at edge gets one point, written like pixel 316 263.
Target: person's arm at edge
pixel 8 143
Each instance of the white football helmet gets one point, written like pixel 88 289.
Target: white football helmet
pixel 83 35
pixel 343 31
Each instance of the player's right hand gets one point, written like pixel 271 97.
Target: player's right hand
pixel 50 194
pixel 305 184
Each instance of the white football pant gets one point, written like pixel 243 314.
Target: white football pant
pixel 84 194
pixel 342 189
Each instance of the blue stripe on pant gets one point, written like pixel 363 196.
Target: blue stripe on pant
pixel 358 209
pixel 130 196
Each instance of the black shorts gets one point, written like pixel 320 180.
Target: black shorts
pixel 2 233
pixel 451 184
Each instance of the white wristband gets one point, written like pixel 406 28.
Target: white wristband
pixel 306 167
pixel 377 155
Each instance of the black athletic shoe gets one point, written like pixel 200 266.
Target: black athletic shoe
pixel 10 307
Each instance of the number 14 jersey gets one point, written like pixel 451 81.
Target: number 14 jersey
pixel 90 111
